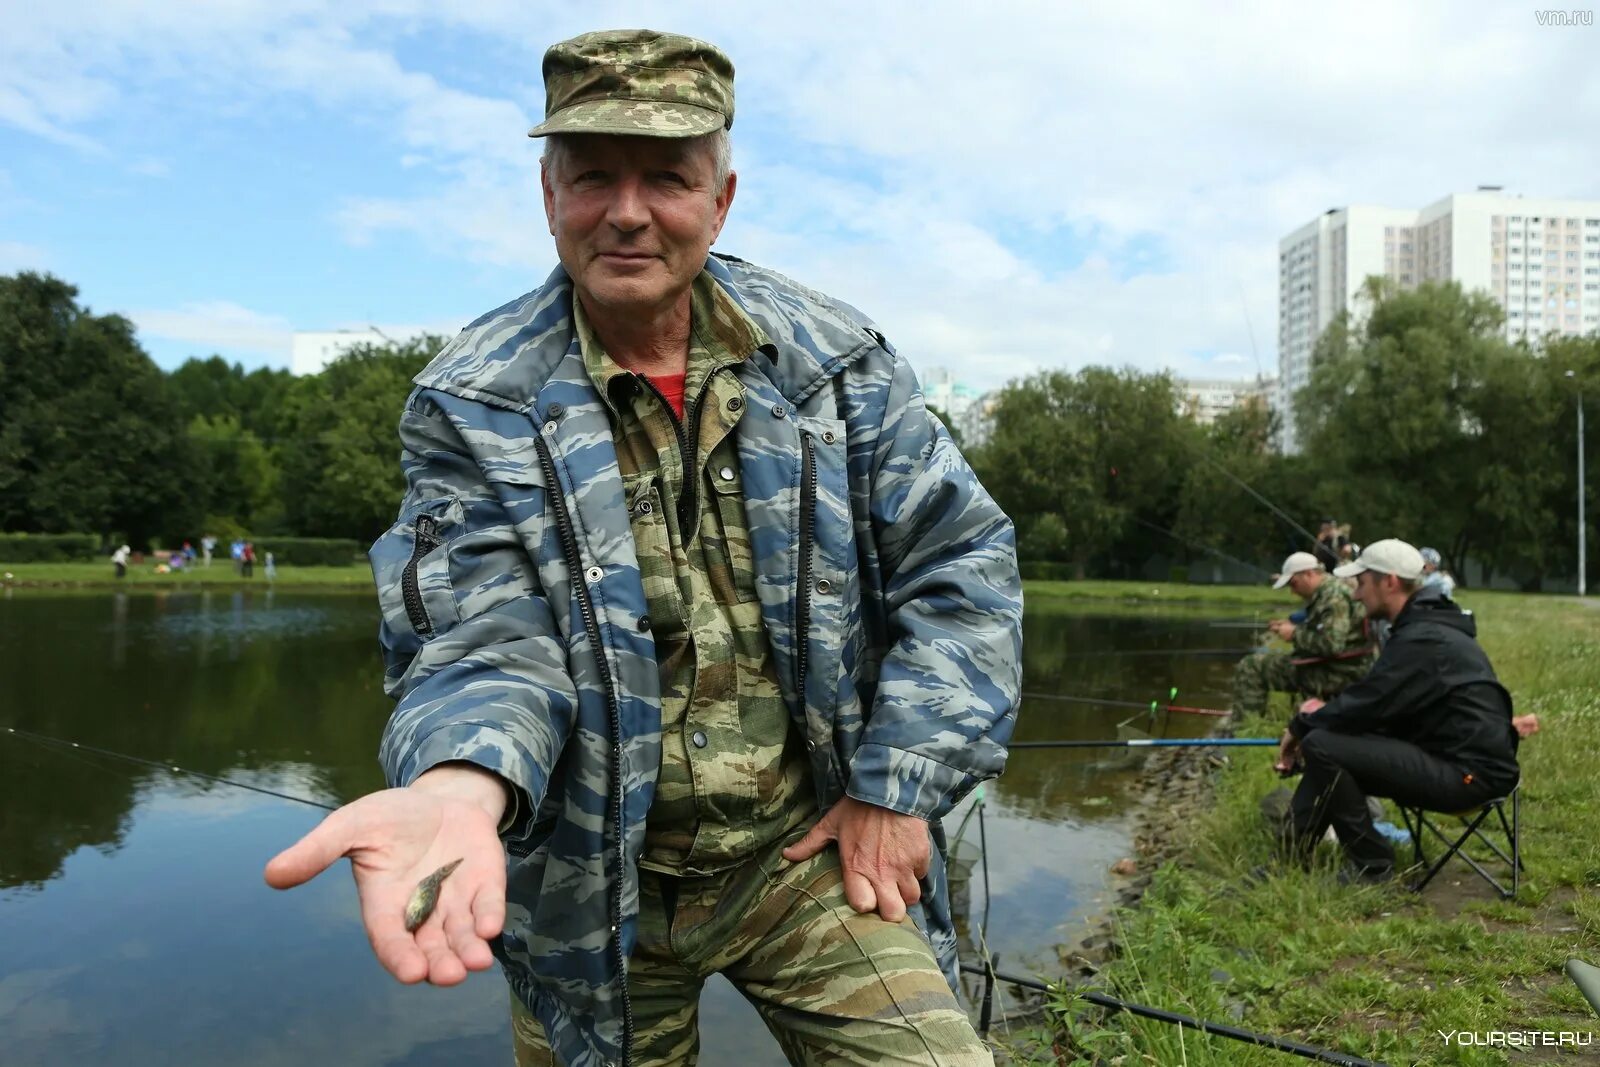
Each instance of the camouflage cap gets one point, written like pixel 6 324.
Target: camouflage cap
pixel 637 82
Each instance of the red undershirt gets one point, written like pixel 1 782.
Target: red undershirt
pixel 671 389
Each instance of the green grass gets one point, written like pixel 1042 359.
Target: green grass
pixel 143 576
pixel 1376 972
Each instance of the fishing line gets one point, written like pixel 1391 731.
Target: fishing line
pixel 1246 487
pixel 1201 546
pixel 69 746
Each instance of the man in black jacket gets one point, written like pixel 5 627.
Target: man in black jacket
pixel 1429 725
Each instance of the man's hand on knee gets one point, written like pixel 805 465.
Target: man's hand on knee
pixel 883 853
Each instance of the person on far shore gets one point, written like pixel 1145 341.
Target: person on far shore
pixel 272 568
pixel 119 560
pixel 236 551
pixel 247 560
pixel 208 545
pixel 1331 539
pixel 1433 572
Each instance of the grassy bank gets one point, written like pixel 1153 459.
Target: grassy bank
pixel 1378 972
pixel 220 574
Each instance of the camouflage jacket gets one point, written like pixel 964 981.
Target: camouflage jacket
pixel 1335 630
pixel 512 600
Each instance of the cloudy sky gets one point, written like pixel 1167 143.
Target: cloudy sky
pixel 1004 187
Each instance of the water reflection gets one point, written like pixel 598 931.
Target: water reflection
pixel 131 904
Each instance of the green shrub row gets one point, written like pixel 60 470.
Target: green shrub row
pixel 306 551
pixel 48 548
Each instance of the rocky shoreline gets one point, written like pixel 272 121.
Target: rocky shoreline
pixel 1176 785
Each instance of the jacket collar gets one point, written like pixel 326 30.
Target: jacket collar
pixel 508 356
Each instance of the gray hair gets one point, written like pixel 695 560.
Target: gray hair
pixel 717 143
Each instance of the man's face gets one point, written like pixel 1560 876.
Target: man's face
pixel 1370 591
pixel 634 219
pixel 1304 584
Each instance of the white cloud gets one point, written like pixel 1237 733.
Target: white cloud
pixel 220 326
pixel 980 179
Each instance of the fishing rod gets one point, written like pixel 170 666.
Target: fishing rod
pixel 1183 709
pixel 1246 487
pixel 1169 652
pixel 45 739
pixel 1154 742
pixel 1280 1044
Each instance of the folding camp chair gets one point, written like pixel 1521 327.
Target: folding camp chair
pixel 1472 823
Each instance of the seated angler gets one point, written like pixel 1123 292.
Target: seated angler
pixel 1430 725
pixel 1329 649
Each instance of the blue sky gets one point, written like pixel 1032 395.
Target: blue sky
pixel 1019 187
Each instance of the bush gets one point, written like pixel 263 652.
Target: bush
pixel 306 551
pixel 48 548
pixel 1038 570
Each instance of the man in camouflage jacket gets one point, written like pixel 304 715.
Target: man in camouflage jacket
pixel 1329 648
pixel 543 726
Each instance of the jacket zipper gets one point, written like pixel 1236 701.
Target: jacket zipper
pixel 591 626
pixel 425 540
pixel 802 611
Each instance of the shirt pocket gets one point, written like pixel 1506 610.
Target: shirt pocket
pixel 653 545
pixel 725 536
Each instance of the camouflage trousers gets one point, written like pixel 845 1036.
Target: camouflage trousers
pixel 1260 674
pixel 833 986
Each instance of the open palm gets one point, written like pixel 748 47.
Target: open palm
pixel 394 839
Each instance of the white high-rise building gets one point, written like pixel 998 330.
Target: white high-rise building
pixel 1539 258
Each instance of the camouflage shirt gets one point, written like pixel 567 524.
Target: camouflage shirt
pixel 1335 626
pixel 733 772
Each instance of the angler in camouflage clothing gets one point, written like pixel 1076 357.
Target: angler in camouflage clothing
pixel 1329 649
pixel 697 620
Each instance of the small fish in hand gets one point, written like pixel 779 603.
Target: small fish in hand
pixel 426 897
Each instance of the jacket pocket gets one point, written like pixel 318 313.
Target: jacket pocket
pixel 411 564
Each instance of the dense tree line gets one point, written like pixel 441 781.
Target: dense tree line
pixel 94 437
pixel 1420 420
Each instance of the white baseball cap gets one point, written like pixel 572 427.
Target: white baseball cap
pixel 1388 556
pixel 1297 562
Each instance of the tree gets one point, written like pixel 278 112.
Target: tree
pixel 340 458
pixel 1427 425
pixel 88 435
pixel 233 479
pixel 1076 458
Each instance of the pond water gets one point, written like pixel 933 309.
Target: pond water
pixel 135 925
